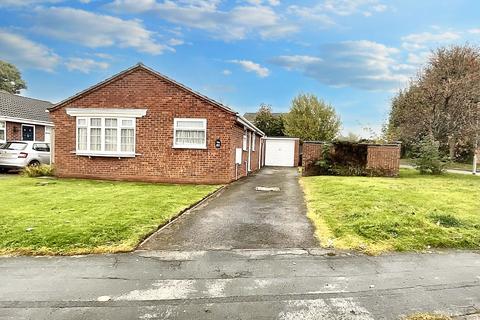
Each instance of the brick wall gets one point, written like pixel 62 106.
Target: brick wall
pixel 158 161
pixel 312 152
pixel 14 131
pixel 384 159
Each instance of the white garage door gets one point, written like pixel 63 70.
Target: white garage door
pixel 280 152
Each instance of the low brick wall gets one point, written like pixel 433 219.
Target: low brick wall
pixel 382 159
pixel 312 152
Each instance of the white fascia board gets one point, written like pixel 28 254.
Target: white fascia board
pixel 26 121
pixel 249 125
pixel 106 112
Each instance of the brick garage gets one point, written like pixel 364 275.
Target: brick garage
pixel 381 159
pixel 179 136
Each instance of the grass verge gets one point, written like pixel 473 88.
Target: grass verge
pixel 74 216
pixel 412 212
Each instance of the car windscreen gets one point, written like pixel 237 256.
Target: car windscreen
pixel 14 146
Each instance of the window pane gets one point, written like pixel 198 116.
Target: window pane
pixel 82 138
pixel 2 124
pixel 111 123
pixel 96 122
pixel 127 140
pixel 190 124
pixel 110 139
pixel 95 139
pixel 2 135
pixel 190 137
pixel 127 123
pixel 82 122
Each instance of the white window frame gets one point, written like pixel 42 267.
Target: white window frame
pixel 244 140
pixel 4 129
pixel 28 125
pixel 197 146
pixel 253 141
pixel 48 131
pixel 102 152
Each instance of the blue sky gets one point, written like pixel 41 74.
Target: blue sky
pixel 354 54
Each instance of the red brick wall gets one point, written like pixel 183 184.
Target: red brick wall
pixel 158 161
pixel 384 159
pixel 14 131
pixel 255 154
pixel 312 152
pixel 296 154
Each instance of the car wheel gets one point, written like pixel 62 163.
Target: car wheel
pixel 34 163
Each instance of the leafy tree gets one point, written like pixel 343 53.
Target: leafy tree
pixel 311 119
pixel 442 101
pixel 10 78
pixel 428 158
pixel 350 137
pixel 265 120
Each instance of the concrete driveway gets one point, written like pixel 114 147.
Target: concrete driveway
pixel 240 217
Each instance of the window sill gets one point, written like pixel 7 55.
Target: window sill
pixel 190 147
pixel 108 155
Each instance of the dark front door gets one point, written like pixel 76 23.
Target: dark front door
pixel 27 133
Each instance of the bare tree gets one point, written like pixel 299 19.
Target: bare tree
pixel 442 101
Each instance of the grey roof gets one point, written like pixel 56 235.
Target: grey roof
pixel 14 106
pixel 251 115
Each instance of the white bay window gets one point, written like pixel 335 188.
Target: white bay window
pixel 105 132
pixel 190 133
pixel 106 136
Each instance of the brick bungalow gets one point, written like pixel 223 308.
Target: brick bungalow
pixel 23 118
pixel 142 125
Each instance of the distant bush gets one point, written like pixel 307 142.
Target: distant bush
pixel 38 171
pixel 428 159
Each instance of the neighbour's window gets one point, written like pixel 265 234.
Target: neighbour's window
pixel 43 147
pixel 190 133
pixel 105 135
pixel 3 133
pixel 253 141
pixel 244 142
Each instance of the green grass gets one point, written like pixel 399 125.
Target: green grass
pixel 73 216
pixel 412 212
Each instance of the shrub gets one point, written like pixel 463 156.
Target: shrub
pixel 38 171
pixel 428 159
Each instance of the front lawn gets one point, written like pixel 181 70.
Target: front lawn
pixel 72 216
pixel 412 212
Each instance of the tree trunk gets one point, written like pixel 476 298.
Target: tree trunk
pixel 451 148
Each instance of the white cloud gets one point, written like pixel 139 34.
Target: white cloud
pixel 24 3
pixel 95 30
pixel 359 64
pixel 311 14
pixel 233 24
pixel 474 31
pixel 259 2
pixel 226 72
pixel 85 65
pixel 417 41
pixel 26 53
pixel 251 66
pixel 350 7
pixel 175 42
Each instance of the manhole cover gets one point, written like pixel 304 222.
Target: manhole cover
pixel 267 188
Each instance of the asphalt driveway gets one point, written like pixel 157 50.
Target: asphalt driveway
pixel 240 217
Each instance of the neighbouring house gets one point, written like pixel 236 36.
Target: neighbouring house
pixel 142 125
pixel 23 118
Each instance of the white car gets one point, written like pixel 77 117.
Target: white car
pixel 19 154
